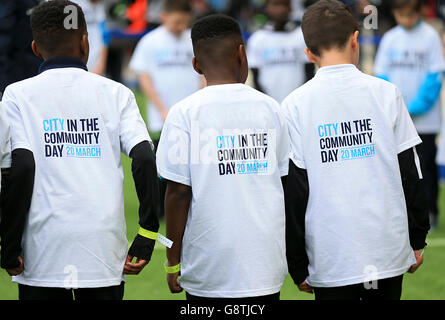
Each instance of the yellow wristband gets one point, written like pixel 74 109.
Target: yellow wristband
pixel 172 269
pixel 148 234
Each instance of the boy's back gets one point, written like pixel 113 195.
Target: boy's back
pixel 76 124
pixel 347 129
pixel 229 143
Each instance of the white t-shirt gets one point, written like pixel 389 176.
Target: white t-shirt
pixel 230 144
pixel 94 16
pixel 406 57
pixel 168 61
pixel 346 129
pixel 5 147
pixel 280 59
pixel 76 124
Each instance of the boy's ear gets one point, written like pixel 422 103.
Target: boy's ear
pixel 242 55
pixel 312 57
pixel 244 65
pixel 195 66
pixel 354 40
pixel 84 47
pixel 35 50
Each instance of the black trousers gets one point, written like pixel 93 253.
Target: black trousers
pixel 61 294
pixel 271 297
pixel 427 152
pixel 387 289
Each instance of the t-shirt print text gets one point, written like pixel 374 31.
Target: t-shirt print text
pixel 71 138
pixel 242 154
pixel 348 140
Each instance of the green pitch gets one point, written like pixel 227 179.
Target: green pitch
pixel 427 283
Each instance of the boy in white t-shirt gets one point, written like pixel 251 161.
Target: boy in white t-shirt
pixel 224 150
pixel 95 17
pixel 63 223
pixel 356 209
pixel 162 60
pixel 411 56
pixel 276 53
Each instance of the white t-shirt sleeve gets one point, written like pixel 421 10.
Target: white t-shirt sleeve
pixel 132 128
pixel 405 132
pixel 283 147
pixel 18 133
pixel 143 59
pixel 173 154
pixel 436 57
pixel 5 146
pixel 296 143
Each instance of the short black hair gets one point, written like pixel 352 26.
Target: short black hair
pixel 177 6
pixel 328 24
pixel 53 26
pixel 214 27
pixel 416 5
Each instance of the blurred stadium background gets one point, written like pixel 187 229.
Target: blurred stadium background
pixel 128 20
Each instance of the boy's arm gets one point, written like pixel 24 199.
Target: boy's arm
pixel 145 178
pixel 146 182
pixel 101 66
pixel 296 195
pixel 15 201
pixel 147 86
pixel 415 197
pixel 177 202
pixel 427 95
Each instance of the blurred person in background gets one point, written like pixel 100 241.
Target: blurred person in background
pixel 276 53
pixel 94 11
pixel 411 56
pixel 163 62
pixel 17 62
pixel 201 8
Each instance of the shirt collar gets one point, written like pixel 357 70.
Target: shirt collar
pixel 414 28
pixel 336 69
pixel 62 62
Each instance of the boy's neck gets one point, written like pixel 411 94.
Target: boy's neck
pixel 215 81
pixel 176 35
pixel 413 27
pixel 221 76
pixel 280 25
pixel 334 57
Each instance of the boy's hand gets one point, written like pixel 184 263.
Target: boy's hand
pixel 419 259
pixel 304 287
pixel 173 282
pixel 134 268
pixel 18 270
